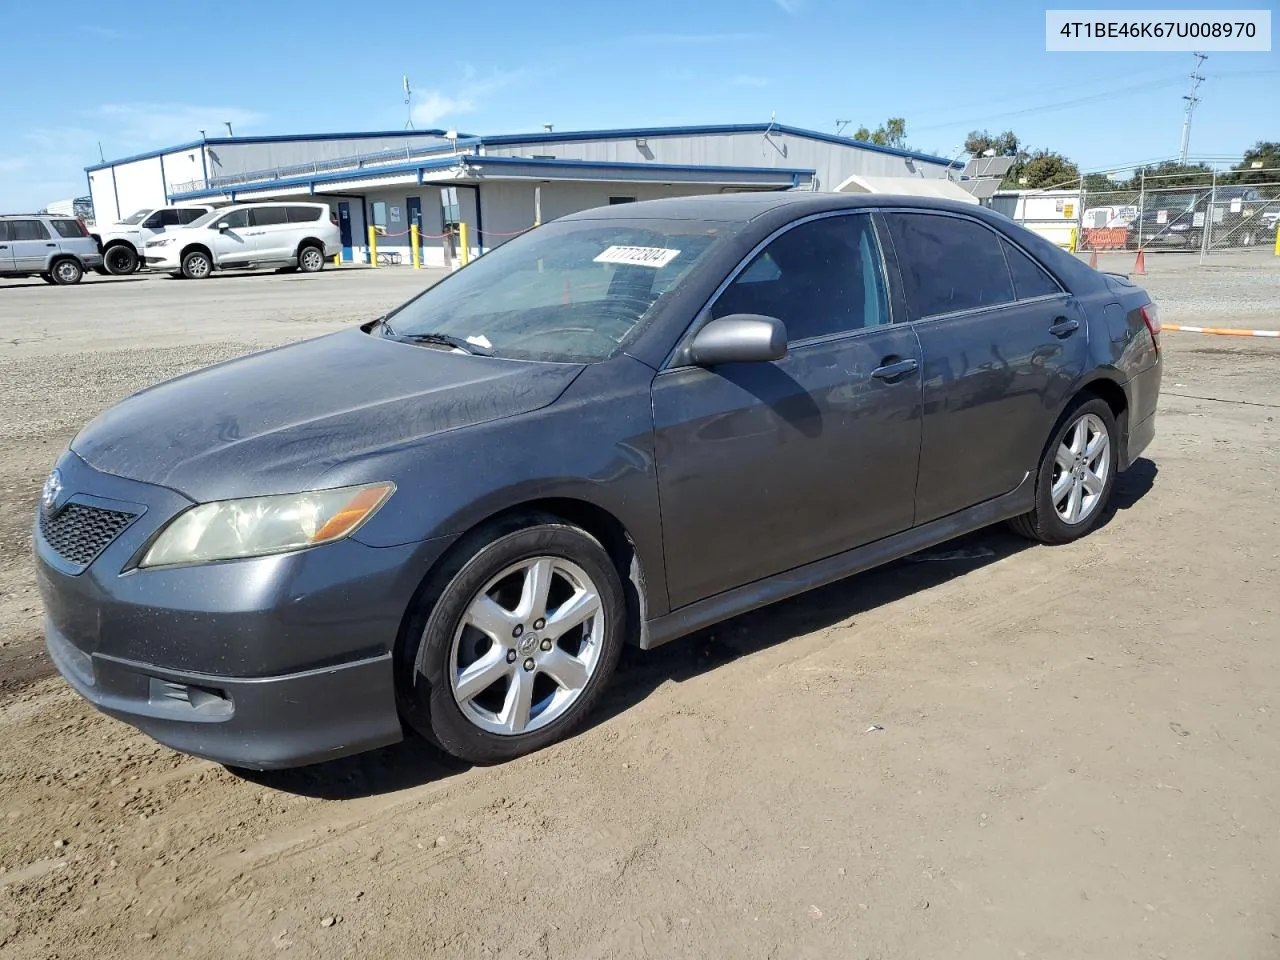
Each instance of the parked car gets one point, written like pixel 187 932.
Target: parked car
pixel 58 249
pixel 301 235
pixel 621 427
pixel 1175 217
pixel 122 243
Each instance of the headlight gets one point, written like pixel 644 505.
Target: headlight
pixel 228 529
pixel 160 243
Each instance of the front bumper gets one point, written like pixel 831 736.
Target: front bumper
pixel 267 662
pixel 161 259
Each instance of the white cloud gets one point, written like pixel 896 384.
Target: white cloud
pixel 790 6
pixel 431 106
pixel 748 80
pixel 159 124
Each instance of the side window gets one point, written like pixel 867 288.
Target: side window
pixel 170 218
pixel 186 215
pixel 948 264
pixel 268 216
pixel 820 278
pixel 28 230
pixel 1029 279
pixel 68 229
pixel 6 233
pixel 153 222
pixel 236 219
pixel 303 214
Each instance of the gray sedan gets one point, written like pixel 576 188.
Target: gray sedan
pixel 621 427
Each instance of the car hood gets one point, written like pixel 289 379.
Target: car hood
pixel 275 422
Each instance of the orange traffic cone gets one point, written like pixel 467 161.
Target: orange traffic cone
pixel 1093 259
pixel 1140 265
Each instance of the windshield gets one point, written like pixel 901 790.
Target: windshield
pixel 206 218
pixel 137 217
pixel 571 291
pixel 1173 201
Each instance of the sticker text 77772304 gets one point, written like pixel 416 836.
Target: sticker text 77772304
pixel 638 256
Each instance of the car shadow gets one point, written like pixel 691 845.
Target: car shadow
pixel 87 281
pixel 414 762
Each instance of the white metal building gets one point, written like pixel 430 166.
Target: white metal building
pixel 499 186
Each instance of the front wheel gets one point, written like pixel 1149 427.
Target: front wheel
pixel 196 265
pixel 519 644
pixel 1075 477
pixel 120 260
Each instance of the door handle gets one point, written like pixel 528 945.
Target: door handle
pixel 891 369
pixel 1064 326
pixel 50 244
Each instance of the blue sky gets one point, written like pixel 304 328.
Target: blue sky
pixel 140 75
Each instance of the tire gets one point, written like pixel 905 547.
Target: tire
pixel 120 260
pixel 196 265
pixel 66 271
pixel 1047 521
pixel 47 278
pixel 310 258
pixel 439 643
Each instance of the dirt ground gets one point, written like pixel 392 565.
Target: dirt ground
pixel 1024 752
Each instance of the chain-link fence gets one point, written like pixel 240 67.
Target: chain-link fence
pixel 1194 212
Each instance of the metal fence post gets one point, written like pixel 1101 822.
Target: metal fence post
pixel 1142 202
pixel 1206 236
pixel 1080 215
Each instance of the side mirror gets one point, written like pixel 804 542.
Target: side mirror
pixel 224 226
pixel 739 338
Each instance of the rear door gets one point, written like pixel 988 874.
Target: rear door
pixel 271 234
pixel 74 239
pixel 763 467
pixel 31 245
pixel 1003 345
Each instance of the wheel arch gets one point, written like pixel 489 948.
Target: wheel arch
pixel 120 242
pixel 592 518
pixel 202 248
pixel 308 242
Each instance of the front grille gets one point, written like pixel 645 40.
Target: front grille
pixel 78 533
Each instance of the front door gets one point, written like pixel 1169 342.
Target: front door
pixel 31 245
pixel 344 230
pixel 763 467
pixel 234 244
pixel 1003 347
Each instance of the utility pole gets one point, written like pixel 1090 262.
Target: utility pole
pixel 1192 100
pixel 408 104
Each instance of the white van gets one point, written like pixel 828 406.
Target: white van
pixel 294 235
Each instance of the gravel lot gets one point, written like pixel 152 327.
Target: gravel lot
pixel 1032 752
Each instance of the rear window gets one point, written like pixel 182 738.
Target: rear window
pixel 69 229
pixel 268 216
pixel 949 264
pixel 304 214
pixel 1028 279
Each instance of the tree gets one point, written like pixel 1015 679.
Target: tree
pixel 1171 173
pixel 891 133
pixel 1004 144
pixel 1041 170
pixel 1264 152
pixel 1099 183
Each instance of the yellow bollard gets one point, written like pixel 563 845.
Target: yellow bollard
pixel 1073 239
pixel 417 252
pixel 1278 240
pixel 337 259
pixel 462 240
pixel 373 247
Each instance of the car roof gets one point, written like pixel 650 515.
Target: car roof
pixel 745 207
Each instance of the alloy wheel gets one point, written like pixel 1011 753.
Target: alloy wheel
pixel 312 261
pixel 1081 466
pixel 527 646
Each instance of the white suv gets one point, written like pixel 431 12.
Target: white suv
pixel 295 235
pixel 122 243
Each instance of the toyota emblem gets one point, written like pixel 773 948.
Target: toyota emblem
pixel 51 491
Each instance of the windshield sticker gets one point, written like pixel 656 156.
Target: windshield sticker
pixel 655 257
pixel 480 340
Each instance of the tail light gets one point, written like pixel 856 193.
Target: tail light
pixel 84 229
pixel 1151 317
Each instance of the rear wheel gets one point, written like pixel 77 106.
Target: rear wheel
pixel 120 260
pixel 67 271
pixel 519 644
pixel 310 259
pixel 196 265
pixel 47 277
pixel 1076 475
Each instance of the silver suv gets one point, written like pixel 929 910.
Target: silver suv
pixel 55 248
